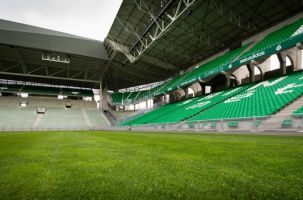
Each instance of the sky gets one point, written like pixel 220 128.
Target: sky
pixel 86 18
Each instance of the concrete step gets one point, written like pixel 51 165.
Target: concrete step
pixel 279 117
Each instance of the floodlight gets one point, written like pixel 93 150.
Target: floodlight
pixel 55 57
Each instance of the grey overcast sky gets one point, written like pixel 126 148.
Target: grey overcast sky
pixel 87 18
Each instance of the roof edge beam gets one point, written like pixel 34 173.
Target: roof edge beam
pixel 49 77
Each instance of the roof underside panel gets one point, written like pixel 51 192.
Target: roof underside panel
pixel 22 35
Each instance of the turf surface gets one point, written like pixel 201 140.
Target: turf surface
pixel 112 165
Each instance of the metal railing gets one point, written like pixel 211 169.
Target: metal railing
pixel 263 123
pixel 252 124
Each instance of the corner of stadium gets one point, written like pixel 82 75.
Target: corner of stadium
pixel 184 99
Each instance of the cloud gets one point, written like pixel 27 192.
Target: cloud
pixel 87 18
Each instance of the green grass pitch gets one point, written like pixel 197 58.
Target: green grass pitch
pixel 128 165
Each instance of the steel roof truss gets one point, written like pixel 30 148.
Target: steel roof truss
pixel 162 25
pixel 48 77
pixel 226 12
pixel 10 67
pixel 21 60
pixel 37 69
pixel 57 72
pixel 77 74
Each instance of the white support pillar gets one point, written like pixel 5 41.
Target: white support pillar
pixel 101 98
pixel 282 60
pixel 251 70
pixel 104 98
pixel 295 55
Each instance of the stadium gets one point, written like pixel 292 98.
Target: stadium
pixel 183 99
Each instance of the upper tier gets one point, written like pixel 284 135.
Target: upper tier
pixel 274 42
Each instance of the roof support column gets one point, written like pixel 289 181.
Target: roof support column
pixel 186 93
pixel 300 45
pixel 227 80
pixel 46 69
pixel 235 81
pixel 295 57
pixel 21 60
pixel 282 60
pixel 202 85
pixel 101 97
pixel 103 104
pixel 251 70
pixel 261 73
pixel 227 76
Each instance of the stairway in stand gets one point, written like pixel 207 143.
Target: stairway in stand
pixel 276 120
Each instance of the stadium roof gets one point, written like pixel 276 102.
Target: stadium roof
pixel 156 39
pixel 39 38
pixel 22 46
pixel 149 41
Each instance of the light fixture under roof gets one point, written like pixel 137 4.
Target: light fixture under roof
pixel 55 57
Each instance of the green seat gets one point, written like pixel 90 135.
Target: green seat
pixel 213 125
pixel 287 123
pixel 258 123
pixel 191 125
pixel 298 112
pixel 233 124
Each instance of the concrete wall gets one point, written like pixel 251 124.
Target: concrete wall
pixel 296 56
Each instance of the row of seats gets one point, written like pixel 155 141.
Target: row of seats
pixel 120 98
pixel 299 111
pixel 169 108
pixel 253 100
pixel 263 99
pixel 197 105
pixel 275 38
pixel 62 118
pixel 82 114
pixel 17 118
pixel 96 118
